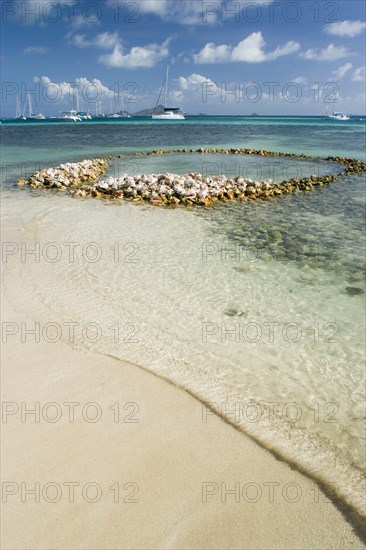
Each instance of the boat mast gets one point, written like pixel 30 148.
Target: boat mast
pixel 24 107
pixel 17 111
pixel 166 86
pixel 29 105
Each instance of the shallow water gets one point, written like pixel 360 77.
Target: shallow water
pixel 248 166
pixel 257 307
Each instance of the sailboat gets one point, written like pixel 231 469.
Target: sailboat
pixel 83 115
pixel 18 112
pixel 121 113
pixel 31 115
pixel 170 113
pixel 337 116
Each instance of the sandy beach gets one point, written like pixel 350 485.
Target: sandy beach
pixel 163 464
pixel 183 275
pixel 123 459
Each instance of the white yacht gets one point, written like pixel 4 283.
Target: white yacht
pixel 170 113
pixel 338 116
pixel 67 116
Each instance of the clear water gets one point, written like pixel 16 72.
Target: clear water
pixel 256 307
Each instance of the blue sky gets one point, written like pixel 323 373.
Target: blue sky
pixel 233 57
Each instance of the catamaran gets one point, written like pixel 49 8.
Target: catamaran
pixel 67 116
pixel 170 113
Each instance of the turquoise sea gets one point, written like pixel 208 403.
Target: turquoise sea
pixel 257 308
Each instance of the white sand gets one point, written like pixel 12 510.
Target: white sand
pixel 168 455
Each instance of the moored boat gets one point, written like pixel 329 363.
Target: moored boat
pixel 170 113
pixel 337 116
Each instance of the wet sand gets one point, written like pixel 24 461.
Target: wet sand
pixel 182 478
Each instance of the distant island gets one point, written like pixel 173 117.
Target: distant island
pixel 148 112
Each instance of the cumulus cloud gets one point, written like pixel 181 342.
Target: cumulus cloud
pixel 104 40
pixel 300 80
pixel 194 82
pixel 341 71
pixel 193 12
pixel 211 53
pixel 249 50
pixel 359 75
pixel 35 50
pixel 345 28
pixel 55 89
pixel 330 53
pixel 89 89
pixel 138 56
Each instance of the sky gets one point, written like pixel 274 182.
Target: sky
pixel 230 58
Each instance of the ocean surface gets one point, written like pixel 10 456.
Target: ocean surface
pixel 256 308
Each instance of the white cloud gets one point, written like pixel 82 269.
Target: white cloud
pixel 359 75
pixel 81 20
pixel 104 40
pixel 345 28
pixel 341 71
pixel 211 53
pixel 194 82
pixel 330 53
pixel 157 7
pixel 55 89
pixel 138 56
pixel 195 12
pixel 35 50
pixel 85 84
pixel 249 50
pixel 87 88
pixel 280 51
pixel 300 80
